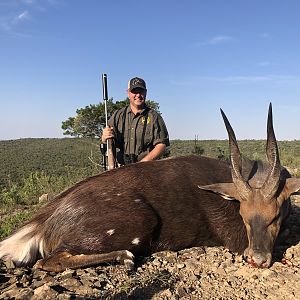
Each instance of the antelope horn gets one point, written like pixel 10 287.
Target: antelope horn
pixel 271 184
pixel 241 184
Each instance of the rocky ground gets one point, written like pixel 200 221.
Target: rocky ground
pixel 196 273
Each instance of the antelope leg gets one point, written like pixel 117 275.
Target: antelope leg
pixel 60 261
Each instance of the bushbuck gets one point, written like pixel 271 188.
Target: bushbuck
pixel 169 204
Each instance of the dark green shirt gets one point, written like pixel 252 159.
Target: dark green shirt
pixel 129 130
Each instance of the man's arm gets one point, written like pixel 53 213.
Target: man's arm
pixel 161 140
pixel 156 152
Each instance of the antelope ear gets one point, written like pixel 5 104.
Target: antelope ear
pixel 292 185
pixel 226 190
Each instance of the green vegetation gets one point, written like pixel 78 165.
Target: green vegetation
pixel 54 157
pixel 289 151
pixel 32 167
pixel 10 222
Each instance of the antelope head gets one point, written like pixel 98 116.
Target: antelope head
pixel 263 195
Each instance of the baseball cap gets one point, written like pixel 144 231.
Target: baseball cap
pixel 136 82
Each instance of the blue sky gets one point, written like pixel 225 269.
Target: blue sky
pixel 196 57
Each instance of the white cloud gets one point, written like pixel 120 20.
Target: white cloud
pixel 220 39
pixel 11 24
pixel 22 16
pixel 17 12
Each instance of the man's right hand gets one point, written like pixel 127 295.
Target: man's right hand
pixel 108 133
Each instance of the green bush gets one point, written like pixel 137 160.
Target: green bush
pixel 11 222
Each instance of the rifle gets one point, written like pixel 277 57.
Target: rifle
pixel 103 152
pixel 109 142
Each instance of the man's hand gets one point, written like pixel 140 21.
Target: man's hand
pixel 156 152
pixel 108 133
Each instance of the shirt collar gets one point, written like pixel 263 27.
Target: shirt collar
pixel 142 112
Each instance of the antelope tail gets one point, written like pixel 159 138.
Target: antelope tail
pixel 23 247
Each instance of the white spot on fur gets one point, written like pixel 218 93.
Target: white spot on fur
pixel 137 200
pixel 110 232
pixel 120 194
pixel 22 247
pixel 135 241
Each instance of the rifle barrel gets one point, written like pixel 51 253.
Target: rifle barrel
pixel 105 96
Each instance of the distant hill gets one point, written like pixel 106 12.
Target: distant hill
pixel 56 156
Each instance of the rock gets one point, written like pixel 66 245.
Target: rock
pixel 43 198
pixel 9 264
pixel 268 273
pixel 180 266
pixel 44 292
pixel 67 274
pixel 157 263
pixel 296 199
pixel 192 264
pixel 18 293
pixel 244 272
pixel 181 292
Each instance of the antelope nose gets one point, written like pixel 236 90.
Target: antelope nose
pixel 259 260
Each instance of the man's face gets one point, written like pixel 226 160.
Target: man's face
pixel 137 97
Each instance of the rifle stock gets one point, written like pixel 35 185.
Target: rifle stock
pixel 110 155
pixel 109 143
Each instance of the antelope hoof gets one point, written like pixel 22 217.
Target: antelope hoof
pixel 129 265
pixel 49 266
pixel 127 258
pixel 38 265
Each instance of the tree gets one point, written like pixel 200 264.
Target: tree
pixel 90 120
